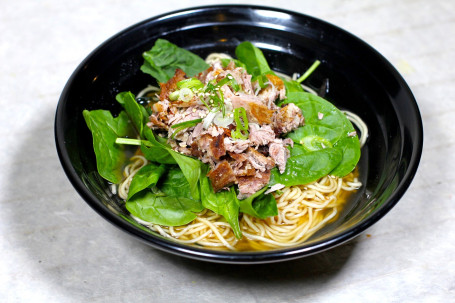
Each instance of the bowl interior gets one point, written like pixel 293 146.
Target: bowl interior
pixel 359 79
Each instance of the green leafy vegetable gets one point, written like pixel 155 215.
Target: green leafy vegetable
pixel 137 113
pixel 292 86
pixel 313 142
pixel 154 150
pixel 146 177
pixel 163 210
pixel 259 205
pixel 253 58
pixel 325 126
pixel 165 57
pixel 224 203
pixel 322 119
pixel 105 129
pixel 225 62
pixel 173 187
pixel 191 169
pixel 307 167
pixel 173 183
pixel 350 147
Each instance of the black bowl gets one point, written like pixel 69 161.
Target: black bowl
pixel 360 80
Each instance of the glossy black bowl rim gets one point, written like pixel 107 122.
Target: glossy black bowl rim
pixel 226 256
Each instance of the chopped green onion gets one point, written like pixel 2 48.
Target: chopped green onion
pixel 216 98
pixel 187 123
pixel 216 94
pixel 237 134
pixel 240 125
pixel 222 105
pixel 183 125
pixel 185 94
pixel 174 95
pixel 177 131
pixel 230 80
pixel 192 83
pixel 309 71
pixel 223 82
pixel 235 86
pixel 241 131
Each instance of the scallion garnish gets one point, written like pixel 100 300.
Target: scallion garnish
pixel 185 94
pixel 174 95
pixel 192 83
pixel 187 123
pixel 183 125
pixel 235 86
pixel 241 131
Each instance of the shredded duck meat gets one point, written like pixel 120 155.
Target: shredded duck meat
pixel 212 134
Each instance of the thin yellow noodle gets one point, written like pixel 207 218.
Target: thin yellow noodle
pixel 302 209
pixel 250 224
pixel 217 233
pixel 147 90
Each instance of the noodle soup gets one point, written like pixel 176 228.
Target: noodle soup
pixel 232 157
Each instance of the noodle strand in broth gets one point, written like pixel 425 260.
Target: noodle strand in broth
pixel 302 209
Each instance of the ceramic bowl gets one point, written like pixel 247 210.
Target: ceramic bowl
pixel 359 80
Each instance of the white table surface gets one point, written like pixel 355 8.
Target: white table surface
pixel 55 248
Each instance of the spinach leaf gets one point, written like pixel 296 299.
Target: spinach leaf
pixel 163 210
pixel 161 153
pixel 292 86
pixel 137 113
pixel 105 129
pixel 312 106
pixel 173 183
pixel 191 169
pixel 259 205
pixel 225 62
pixel 157 154
pixel 224 203
pixel 253 58
pixel 333 129
pixel 164 58
pixel 146 177
pixel 350 147
pixel 307 167
pixel 156 151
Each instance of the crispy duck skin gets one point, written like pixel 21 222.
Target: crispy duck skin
pixel 221 176
pixel 171 85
